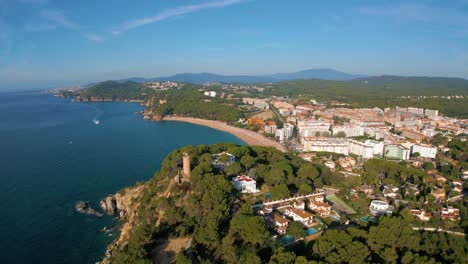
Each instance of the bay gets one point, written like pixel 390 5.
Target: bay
pixel 52 155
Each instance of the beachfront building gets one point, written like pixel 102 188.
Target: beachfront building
pixel 379 208
pixel 425 151
pixel 285 133
pixel 304 217
pixel 396 152
pixel 245 184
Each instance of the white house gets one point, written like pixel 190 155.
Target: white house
pixel 281 223
pixel 306 218
pixel 245 184
pixel 322 208
pixel 378 208
pixel 227 159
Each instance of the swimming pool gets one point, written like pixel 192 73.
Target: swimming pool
pixel 311 231
pixel 287 239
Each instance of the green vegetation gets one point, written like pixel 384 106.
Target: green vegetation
pixel 225 229
pixel 385 91
pixel 190 102
pixel 391 241
pixel 112 90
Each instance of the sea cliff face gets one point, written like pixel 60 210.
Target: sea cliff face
pixel 149 115
pixel 123 204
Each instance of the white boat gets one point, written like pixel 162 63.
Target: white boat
pixel 96 122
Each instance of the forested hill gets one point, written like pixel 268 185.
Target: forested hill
pixel 384 91
pixel 415 85
pixel 381 86
pixel 113 90
pixel 222 227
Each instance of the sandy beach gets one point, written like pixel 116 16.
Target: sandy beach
pixel 250 137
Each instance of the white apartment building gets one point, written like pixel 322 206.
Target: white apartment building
pixel 429 112
pixel 270 129
pixel 378 147
pixel 425 151
pixel 418 111
pixel 350 131
pixel 319 144
pixel 280 134
pixel 289 130
pixel 309 128
pixel 285 133
pixel 396 152
pixel 361 149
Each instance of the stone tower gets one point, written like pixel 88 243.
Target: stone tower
pixel 186 165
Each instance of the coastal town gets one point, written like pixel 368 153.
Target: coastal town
pixel 358 165
pixel 344 139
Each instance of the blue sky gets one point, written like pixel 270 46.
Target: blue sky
pixel 47 43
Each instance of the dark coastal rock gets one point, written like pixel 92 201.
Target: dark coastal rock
pixel 85 208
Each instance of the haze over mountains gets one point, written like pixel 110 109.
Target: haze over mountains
pixel 198 78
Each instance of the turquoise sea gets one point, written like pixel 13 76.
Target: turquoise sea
pixel 52 154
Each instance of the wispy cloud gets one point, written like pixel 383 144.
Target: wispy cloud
pixel 173 12
pixel 59 18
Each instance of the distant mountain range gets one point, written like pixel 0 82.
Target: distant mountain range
pixel 199 78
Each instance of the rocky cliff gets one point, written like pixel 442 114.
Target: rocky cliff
pixel 123 204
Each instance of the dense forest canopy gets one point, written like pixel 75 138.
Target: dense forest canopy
pixel 189 101
pixel 225 229
pixel 112 90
